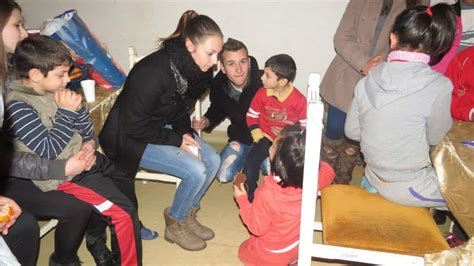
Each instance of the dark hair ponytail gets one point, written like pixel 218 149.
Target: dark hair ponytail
pixel 427 30
pixel 195 27
pixel 201 27
pixel 183 20
pixel 288 162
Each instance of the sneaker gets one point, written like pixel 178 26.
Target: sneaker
pixel 366 185
pixel 99 250
pixel 148 234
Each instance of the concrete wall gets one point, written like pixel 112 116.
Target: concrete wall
pixel 302 29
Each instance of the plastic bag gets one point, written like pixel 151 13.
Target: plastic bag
pixel 69 28
pixel 77 73
pixel 6 256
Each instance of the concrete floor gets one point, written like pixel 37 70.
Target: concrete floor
pixel 218 211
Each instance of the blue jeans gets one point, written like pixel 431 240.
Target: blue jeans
pixel 196 175
pixel 335 123
pixel 232 160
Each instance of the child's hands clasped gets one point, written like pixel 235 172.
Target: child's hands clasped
pixel 240 190
pixel 68 99
pixel 80 162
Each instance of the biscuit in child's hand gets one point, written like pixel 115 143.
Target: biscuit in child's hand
pixel 239 179
pixel 6 213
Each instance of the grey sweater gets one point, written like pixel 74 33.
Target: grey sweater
pixel 398 111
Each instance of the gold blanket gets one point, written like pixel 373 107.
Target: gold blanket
pixel 454 165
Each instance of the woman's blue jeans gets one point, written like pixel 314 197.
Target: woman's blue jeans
pixel 232 160
pixel 335 123
pixel 196 175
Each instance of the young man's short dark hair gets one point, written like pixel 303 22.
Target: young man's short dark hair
pixel 283 66
pixel 40 52
pixel 232 45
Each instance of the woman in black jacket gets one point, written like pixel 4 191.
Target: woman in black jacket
pixel 149 125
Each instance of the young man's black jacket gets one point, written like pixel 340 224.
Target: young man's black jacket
pixel 223 106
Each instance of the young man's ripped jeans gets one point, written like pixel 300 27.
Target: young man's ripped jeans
pixel 232 159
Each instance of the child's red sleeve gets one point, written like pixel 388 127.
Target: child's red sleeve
pixel 326 175
pixel 462 102
pixel 302 111
pixel 257 216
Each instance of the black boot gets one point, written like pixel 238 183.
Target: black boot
pixel 54 261
pixel 97 246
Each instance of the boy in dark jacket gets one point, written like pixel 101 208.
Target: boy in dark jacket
pixel 232 91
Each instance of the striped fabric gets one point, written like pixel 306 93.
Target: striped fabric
pixel 24 123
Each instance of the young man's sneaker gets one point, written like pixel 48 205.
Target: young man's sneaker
pixel 148 234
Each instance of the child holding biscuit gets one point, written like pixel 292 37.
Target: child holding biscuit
pixel 273 218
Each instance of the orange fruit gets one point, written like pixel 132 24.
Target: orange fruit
pixel 6 213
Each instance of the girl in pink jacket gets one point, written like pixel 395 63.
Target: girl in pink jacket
pixel 273 218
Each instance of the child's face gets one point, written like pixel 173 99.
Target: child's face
pixel 270 79
pixel 13 32
pixel 56 79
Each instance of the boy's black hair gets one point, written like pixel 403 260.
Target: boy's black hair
pixel 431 32
pixel 288 162
pixel 40 52
pixel 283 66
pixel 232 45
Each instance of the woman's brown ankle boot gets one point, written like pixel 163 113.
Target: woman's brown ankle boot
pixel 196 227
pixel 177 232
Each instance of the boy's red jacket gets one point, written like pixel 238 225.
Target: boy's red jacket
pixel 266 111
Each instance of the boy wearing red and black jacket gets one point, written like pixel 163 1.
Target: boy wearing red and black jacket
pixel 277 104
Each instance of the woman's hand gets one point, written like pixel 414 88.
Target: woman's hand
pixel 16 213
pixel 79 162
pixel 200 124
pixel 90 148
pixel 371 64
pixel 190 141
pixel 240 190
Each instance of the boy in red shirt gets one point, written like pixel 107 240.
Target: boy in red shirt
pixel 277 104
